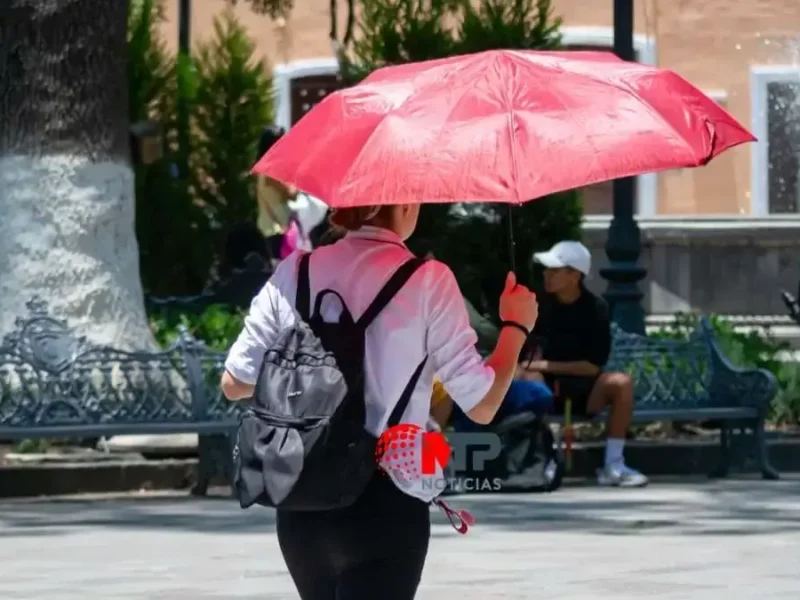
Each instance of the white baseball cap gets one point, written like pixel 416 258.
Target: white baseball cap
pixel 566 254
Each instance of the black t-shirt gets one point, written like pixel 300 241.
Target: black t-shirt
pixel 573 332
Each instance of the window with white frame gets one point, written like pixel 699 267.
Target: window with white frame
pixel 300 85
pixel 775 97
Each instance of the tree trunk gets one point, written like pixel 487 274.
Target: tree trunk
pixel 66 182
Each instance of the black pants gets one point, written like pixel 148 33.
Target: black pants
pixel 375 548
pixel 577 389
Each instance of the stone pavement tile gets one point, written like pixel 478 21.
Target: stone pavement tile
pixel 711 541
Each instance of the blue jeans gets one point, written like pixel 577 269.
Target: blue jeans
pixel 522 396
pixel 526 396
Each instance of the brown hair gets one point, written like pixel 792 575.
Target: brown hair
pixel 351 219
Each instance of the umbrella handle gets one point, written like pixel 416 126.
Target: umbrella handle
pixel 511 245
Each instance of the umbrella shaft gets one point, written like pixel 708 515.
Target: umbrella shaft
pixel 512 252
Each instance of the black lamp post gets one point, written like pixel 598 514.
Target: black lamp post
pixel 624 244
pixel 184 62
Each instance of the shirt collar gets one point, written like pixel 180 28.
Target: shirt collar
pixel 376 233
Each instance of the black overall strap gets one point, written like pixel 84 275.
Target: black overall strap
pixel 398 279
pixel 302 299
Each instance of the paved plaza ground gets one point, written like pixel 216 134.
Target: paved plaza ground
pixel 733 540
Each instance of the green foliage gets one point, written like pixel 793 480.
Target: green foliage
pixel 168 221
pixel 32 446
pixel 391 32
pixel 202 180
pixel 218 326
pixel 232 105
pixel 473 240
pixel 751 349
pixel 151 73
pixel 786 408
pixel 149 63
pixel 492 24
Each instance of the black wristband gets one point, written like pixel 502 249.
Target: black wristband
pixel 515 325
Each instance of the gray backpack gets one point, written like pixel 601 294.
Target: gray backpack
pixel 301 441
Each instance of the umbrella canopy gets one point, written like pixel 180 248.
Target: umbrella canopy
pixel 498 126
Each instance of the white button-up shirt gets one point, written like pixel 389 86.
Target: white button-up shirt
pixel 426 318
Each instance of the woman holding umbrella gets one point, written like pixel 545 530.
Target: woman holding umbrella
pixel 499 126
pixel 377 547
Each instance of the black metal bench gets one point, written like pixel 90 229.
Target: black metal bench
pixel 54 384
pixel 677 380
pixel 235 291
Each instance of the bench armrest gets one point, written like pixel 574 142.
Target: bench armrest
pixel 754 388
pixel 736 386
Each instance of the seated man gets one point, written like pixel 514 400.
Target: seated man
pixel 574 332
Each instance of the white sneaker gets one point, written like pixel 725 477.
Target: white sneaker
pixel 621 476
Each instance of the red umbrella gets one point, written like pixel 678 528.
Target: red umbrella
pixel 498 126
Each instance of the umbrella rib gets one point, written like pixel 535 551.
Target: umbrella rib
pixel 392 112
pixel 626 87
pixel 565 106
pixel 323 145
pixel 512 134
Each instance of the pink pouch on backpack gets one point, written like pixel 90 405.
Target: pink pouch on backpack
pixel 291 239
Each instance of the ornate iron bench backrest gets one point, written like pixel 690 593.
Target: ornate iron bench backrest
pixel 206 368
pixel 236 291
pixel 667 373
pixel 50 376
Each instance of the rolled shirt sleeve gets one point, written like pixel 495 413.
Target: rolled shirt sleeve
pixel 451 341
pixel 271 311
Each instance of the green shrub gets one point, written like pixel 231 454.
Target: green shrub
pixel 169 223
pixel 32 446
pixel 391 32
pixel 232 105
pixel 786 408
pixel 493 24
pixel 179 213
pixel 753 349
pixel 150 66
pixel 471 239
pixel 218 326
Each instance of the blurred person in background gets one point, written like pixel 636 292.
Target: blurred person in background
pixel 286 216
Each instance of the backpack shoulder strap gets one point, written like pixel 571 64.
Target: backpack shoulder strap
pixel 405 397
pixel 398 279
pixel 302 299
